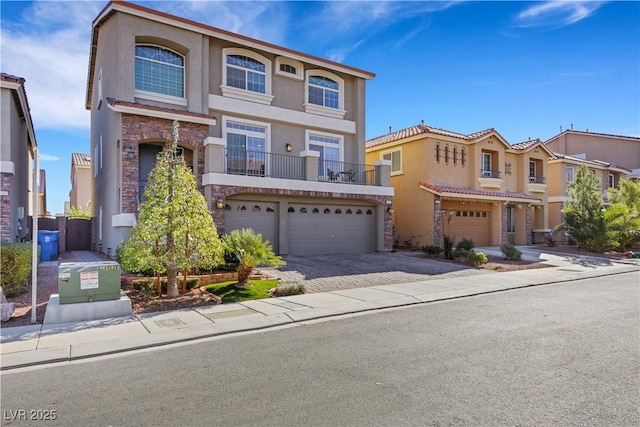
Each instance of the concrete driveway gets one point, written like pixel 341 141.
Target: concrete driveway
pixel 323 273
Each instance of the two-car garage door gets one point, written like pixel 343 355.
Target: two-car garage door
pixel 311 228
pixel 318 229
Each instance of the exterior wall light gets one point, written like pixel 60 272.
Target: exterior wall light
pixel 220 203
pixel 289 148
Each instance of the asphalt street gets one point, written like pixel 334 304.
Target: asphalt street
pixel 561 354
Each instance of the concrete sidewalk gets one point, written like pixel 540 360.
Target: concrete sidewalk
pixel 41 344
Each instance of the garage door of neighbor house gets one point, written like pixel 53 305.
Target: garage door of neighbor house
pixel 262 217
pixel 318 229
pixel 471 224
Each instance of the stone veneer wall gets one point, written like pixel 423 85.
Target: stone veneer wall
pixel 5 208
pixel 226 191
pixel 139 129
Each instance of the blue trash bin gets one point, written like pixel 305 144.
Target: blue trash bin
pixel 48 241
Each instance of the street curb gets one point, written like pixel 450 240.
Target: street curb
pixel 30 358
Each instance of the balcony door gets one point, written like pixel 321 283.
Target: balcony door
pixel 486 165
pixel 330 149
pixel 246 149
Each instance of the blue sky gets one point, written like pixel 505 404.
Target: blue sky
pixel 523 68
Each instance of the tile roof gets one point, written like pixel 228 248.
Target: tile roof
pixel 526 144
pixel 9 78
pixel 593 133
pixel 591 162
pixel 423 129
pixel 115 102
pixel 468 191
pixel 80 159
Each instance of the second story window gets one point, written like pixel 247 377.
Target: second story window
pixel 246 73
pixel 159 70
pixel 486 165
pixel 330 149
pixel 396 160
pixel 532 169
pixel 570 173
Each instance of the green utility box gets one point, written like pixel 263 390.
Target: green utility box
pixel 88 281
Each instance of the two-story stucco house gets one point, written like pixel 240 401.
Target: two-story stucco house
pixel 80 194
pixel 275 137
pixel 18 148
pixel 475 186
pixel 610 157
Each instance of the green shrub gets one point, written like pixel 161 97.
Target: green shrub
pixel 550 238
pixel 465 244
pixel 461 253
pixel 476 258
pixel 432 251
pixel 511 252
pixel 449 243
pixel 144 286
pixel 286 289
pixel 15 268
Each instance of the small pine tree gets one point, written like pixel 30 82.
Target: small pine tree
pixel 175 230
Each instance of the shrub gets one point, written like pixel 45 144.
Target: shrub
pixel 432 251
pixel 550 238
pixel 461 253
pixel 465 244
pixel 286 289
pixel 144 286
pixel 449 243
pixel 476 258
pixel 511 252
pixel 15 268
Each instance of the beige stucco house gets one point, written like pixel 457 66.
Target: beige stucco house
pixel 275 137
pixel 18 148
pixel 610 157
pixel 80 194
pixel 475 186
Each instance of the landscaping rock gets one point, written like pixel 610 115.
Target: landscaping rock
pixel 6 308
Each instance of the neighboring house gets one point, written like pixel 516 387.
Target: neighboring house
pixel 474 186
pixel 275 137
pixel 42 195
pixel 80 194
pixel 610 157
pixel 18 149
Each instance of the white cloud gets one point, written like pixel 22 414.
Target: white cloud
pixel 556 13
pixel 49 46
pixel 48 158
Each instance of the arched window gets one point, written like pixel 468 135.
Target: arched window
pixel 324 94
pixel 246 75
pixel 159 70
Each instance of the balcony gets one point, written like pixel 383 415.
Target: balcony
pixel 490 179
pixel 301 168
pixel 536 184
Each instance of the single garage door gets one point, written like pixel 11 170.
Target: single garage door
pixel 471 224
pixel 325 229
pixel 262 217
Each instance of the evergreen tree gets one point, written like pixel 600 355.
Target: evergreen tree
pixel 175 230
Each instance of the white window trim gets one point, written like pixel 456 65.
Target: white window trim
pixel 397 150
pixel 267 126
pixel 571 172
pixel 340 138
pixel 339 112
pixel 246 95
pixel 611 181
pixel 484 171
pixel 160 97
pixel 288 61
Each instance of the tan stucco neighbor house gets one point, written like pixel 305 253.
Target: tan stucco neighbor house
pixel 18 148
pixel 275 137
pixel 80 194
pixel 610 157
pixel 475 186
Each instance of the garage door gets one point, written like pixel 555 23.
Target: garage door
pixel 471 224
pixel 324 229
pixel 262 217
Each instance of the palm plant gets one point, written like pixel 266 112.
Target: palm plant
pixel 251 252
